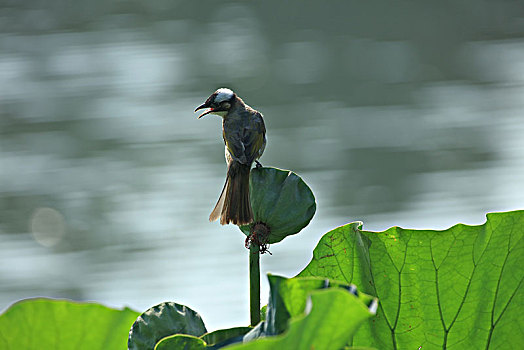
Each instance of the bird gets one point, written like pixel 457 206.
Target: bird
pixel 244 134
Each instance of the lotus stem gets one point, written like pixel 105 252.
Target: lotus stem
pixel 254 283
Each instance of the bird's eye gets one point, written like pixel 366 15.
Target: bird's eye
pixel 226 105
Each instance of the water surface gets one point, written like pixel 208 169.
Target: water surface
pixel 407 115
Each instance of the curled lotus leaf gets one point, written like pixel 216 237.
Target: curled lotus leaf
pixel 281 200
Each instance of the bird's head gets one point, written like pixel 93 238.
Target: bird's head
pixel 218 103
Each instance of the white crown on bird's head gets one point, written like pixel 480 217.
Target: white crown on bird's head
pixel 223 94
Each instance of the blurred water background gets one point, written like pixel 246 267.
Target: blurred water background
pixel 395 113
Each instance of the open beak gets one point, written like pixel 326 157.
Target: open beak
pixel 204 105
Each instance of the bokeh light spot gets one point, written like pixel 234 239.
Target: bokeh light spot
pixel 47 226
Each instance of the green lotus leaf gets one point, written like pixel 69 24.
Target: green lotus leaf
pixel 289 323
pixel 263 312
pixel 163 320
pixel 181 341
pixel 223 337
pixel 63 324
pixel 335 314
pixel 281 200
pixel 461 288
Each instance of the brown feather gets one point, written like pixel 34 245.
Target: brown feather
pixel 233 205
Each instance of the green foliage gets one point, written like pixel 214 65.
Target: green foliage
pixel 332 303
pixel 181 342
pixel 455 289
pixel 163 320
pixel 288 298
pixel 336 313
pixel 61 324
pixel 167 325
pixel 223 337
pixel 281 200
pixel 459 288
pixel 214 340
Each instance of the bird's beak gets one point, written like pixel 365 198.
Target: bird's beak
pixel 204 105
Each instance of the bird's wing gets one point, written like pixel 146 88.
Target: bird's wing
pixel 246 141
pixel 254 138
pixel 234 146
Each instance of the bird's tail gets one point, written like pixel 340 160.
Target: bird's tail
pixel 234 205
